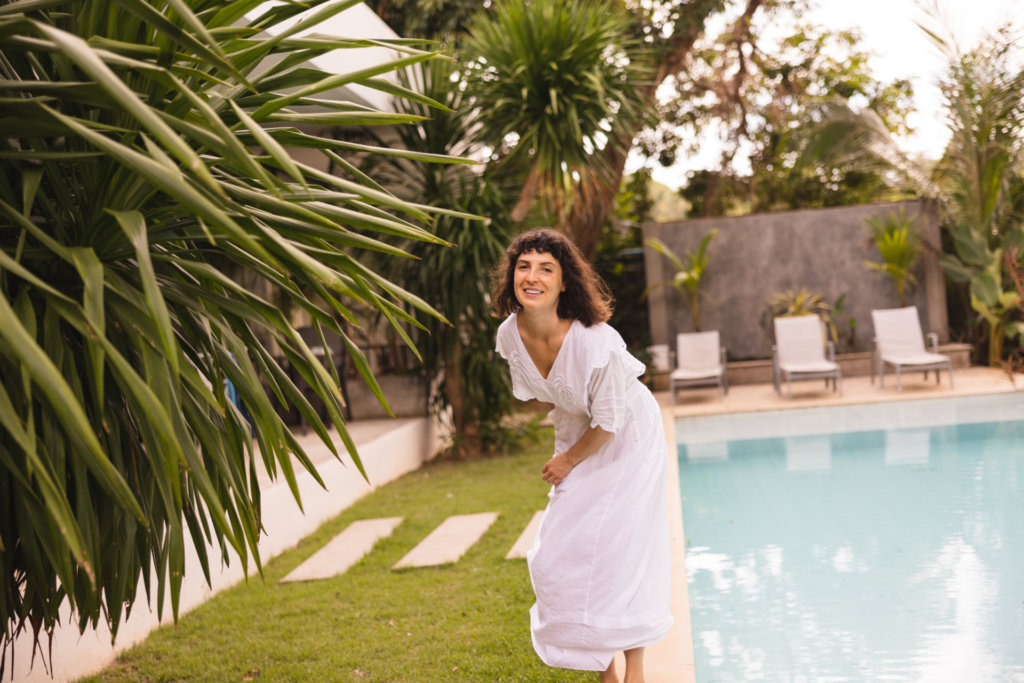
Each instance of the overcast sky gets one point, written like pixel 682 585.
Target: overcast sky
pixel 903 51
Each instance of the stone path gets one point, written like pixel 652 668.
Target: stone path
pixel 448 542
pixel 525 540
pixel 444 545
pixel 344 550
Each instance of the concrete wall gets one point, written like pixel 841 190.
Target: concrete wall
pixel 754 257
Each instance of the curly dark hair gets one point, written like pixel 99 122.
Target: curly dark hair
pixel 586 297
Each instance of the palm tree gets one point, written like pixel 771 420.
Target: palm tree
pixel 554 83
pixel 145 174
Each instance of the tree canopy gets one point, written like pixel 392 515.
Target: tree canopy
pixel 731 69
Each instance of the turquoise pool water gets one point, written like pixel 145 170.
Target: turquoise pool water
pixel 857 543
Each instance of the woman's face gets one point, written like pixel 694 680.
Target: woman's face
pixel 537 280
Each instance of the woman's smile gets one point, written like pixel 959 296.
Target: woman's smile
pixel 538 279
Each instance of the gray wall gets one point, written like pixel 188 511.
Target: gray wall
pixel 754 257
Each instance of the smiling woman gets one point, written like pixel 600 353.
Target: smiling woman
pixel 600 561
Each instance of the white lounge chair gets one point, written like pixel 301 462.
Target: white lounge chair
pixel 899 343
pixel 700 361
pixel 801 351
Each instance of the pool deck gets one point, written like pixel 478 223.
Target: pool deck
pixel 671 660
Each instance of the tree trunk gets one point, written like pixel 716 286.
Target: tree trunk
pixel 467 431
pixel 594 197
pixel 995 344
pixel 593 200
pixel 527 195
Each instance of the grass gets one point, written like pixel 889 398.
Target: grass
pixel 468 621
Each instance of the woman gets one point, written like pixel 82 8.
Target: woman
pixel 600 562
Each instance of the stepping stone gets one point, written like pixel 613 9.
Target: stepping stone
pixel 525 540
pixel 448 542
pixel 344 550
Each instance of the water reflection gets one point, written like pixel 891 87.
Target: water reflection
pixel 808 453
pixel 867 556
pixel 907 446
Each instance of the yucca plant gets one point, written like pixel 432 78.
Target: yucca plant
pixel 472 388
pixel 899 245
pixel 145 174
pixel 554 82
pixel 689 273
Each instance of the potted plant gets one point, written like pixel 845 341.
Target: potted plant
pixel 899 246
pixel 689 273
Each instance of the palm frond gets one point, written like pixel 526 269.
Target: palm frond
pixel 146 174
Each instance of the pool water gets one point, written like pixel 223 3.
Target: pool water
pixel 857 543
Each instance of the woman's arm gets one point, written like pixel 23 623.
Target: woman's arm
pixel 557 468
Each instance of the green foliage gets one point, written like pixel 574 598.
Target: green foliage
pixel 455 280
pixel 689 272
pixel 900 247
pixel 145 175
pixel 620 263
pixel 465 621
pixel 763 89
pixel 435 19
pixel 804 302
pixel 981 179
pixel 554 82
pixel 978 182
pixel 1014 362
pixel 633 201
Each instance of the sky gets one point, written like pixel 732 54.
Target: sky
pixel 902 51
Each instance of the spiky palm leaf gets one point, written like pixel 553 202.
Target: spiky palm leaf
pixel 145 174
pixel 456 281
pixel 899 245
pixel 554 82
pixel 687 278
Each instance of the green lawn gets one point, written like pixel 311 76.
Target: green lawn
pixel 467 621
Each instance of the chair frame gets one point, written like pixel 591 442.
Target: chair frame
pixel 720 379
pixel 835 374
pixel 878 364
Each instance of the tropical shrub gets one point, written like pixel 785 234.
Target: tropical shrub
pixel 792 303
pixel 145 174
pixel 555 82
pixel 979 181
pixel 689 273
pixel 458 354
pixel 899 245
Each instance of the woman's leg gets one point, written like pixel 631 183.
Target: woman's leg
pixel 609 675
pixel 634 665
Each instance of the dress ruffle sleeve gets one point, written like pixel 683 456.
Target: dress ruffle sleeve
pixel 506 346
pixel 613 371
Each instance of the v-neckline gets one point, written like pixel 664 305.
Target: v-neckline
pixel 558 354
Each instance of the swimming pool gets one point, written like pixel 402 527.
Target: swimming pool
pixel 879 542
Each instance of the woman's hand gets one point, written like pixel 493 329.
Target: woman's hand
pixel 557 468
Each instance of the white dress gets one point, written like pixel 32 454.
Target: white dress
pixel 600 562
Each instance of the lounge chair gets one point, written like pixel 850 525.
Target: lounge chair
pixel 802 352
pixel 899 343
pixel 700 361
